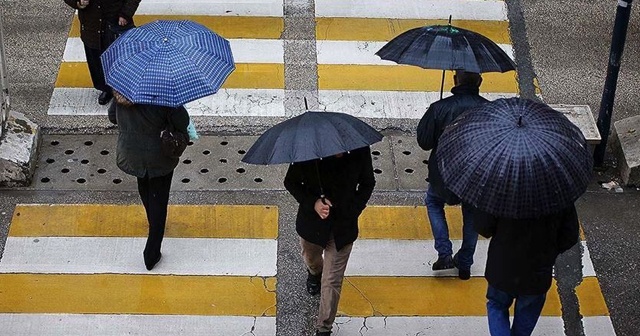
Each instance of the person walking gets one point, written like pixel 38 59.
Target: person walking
pixel 332 193
pixel 466 95
pixel 520 262
pixel 139 154
pixel 98 19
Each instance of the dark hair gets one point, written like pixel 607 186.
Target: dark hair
pixel 464 77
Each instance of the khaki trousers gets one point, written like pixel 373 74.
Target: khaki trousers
pixel 332 268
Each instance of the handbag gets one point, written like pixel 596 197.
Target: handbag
pixel 173 142
pixel 114 30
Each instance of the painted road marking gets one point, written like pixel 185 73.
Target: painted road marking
pixel 454 325
pixel 404 9
pixel 213 7
pixel 92 324
pixel 417 257
pixel 137 294
pixel 104 220
pixel 181 256
pixel 78 260
pixel 444 296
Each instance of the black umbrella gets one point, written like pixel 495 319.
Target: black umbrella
pixel 515 158
pixel 447 47
pixel 311 135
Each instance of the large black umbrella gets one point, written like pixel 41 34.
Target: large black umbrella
pixel 447 47
pixel 311 135
pixel 515 158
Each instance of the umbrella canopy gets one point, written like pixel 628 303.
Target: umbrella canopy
pixel 167 63
pixel 447 47
pixel 311 135
pixel 515 158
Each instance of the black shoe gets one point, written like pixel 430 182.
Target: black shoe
pixel 152 264
pixel 313 283
pixel 105 97
pixel 323 333
pixel 443 263
pixel 463 274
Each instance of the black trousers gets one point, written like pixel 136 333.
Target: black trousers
pixel 154 193
pixel 95 68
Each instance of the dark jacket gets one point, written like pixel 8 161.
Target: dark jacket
pixel 438 116
pixel 522 251
pixel 347 182
pixel 138 150
pixel 94 18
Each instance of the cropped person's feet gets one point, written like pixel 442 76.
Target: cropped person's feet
pixel 323 333
pixel 151 264
pixel 313 283
pixel 443 263
pixel 463 273
pixel 105 97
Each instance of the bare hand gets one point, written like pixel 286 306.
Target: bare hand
pixel 322 208
pixel 82 4
pixel 122 21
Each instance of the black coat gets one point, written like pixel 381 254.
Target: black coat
pixel 94 18
pixel 522 251
pixel 430 128
pixel 347 182
pixel 138 151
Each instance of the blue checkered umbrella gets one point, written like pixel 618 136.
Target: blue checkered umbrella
pixel 168 63
pixel 515 158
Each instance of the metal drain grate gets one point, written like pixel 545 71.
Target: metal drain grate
pixel 87 162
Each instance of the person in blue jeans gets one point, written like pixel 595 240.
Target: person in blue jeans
pixel 520 262
pixel 466 95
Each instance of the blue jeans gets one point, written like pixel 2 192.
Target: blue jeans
pixel 525 317
pixel 435 211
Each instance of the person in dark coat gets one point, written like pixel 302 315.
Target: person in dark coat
pixel 332 193
pixel 138 153
pixel 466 95
pixel 97 19
pixel 520 262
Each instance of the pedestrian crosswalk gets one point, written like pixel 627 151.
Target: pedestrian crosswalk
pixel 391 290
pixel 78 270
pixel 350 77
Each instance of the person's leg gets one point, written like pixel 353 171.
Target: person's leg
pixel 143 190
pixel 464 257
pixel 159 188
pixel 526 314
pixel 498 303
pixel 335 263
pixel 312 256
pixel 95 69
pixel 435 212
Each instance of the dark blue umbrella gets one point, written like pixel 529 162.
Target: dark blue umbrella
pixel 446 47
pixel 311 135
pixel 515 158
pixel 168 63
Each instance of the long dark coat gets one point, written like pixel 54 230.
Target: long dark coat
pixel 522 252
pixel 138 150
pixel 94 18
pixel 347 182
pixel 438 116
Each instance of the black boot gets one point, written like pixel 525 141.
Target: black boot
pixel 313 283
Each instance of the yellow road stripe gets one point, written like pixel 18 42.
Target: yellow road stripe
pixel 405 222
pixel 227 26
pixel 137 294
pixel 402 78
pixel 441 296
pixel 408 222
pixel 372 29
pixel 246 76
pixel 104 220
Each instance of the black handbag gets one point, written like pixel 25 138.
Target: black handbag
pixel 114 30
pixel 173 143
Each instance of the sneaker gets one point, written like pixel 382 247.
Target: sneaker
pixel 463 274
pixel 443 263
pixel 323 333
pixel 313 283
